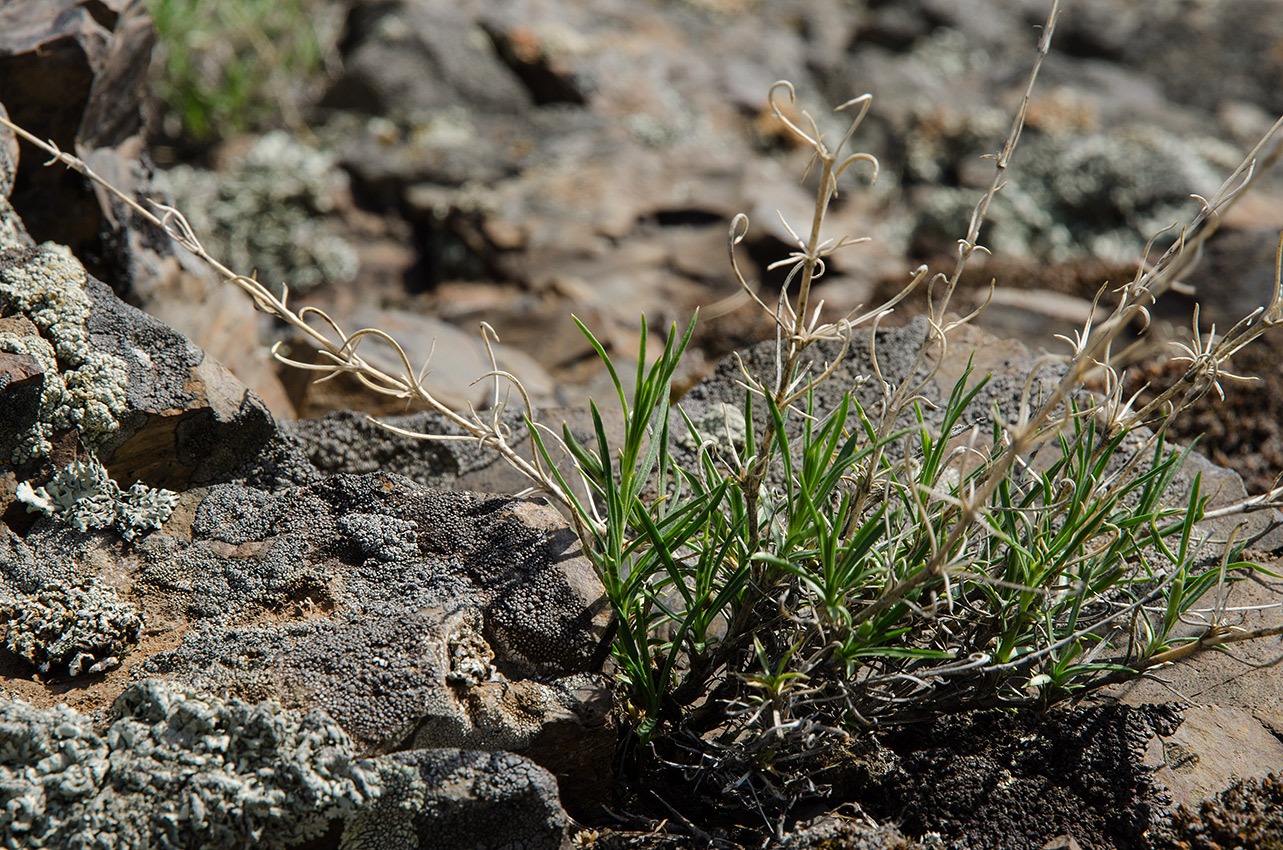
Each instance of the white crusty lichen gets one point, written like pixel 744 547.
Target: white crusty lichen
pixel 83 494
pixel 84 388
pixel 70 629
pixel 261 212
pixel 176 769
pixel 723 425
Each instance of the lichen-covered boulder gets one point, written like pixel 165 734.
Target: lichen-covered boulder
pixel 443 799
pixel 415 618
pixel 178 768
pixel 175 769
pixel 151 404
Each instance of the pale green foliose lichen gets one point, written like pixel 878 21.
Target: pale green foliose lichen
pixel 84 388
pixel 70 629
pixel 83 494
pixel 263 212
pixel 176 769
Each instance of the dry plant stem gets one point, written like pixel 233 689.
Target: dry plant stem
pixel 338 347
pixel 970 244
pixel 1092 353
pixel 794 335
pixel 895 403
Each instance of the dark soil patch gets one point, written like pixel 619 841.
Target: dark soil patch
pixel 983 781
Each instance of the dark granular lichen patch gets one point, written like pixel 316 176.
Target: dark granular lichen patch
pixel 993 780
pixel 1247 816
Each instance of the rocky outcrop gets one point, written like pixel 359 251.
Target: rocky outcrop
pixel 184 769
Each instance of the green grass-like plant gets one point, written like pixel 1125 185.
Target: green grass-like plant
pixel 840 566
pixel 229 66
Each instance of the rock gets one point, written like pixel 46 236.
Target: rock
pixel 12 232
pixel 1214 747
pixel 1241 679
pixel 74 74
pixel 177 767
pixel 414 618
pixel 1245 815
pixel 486 801
pixel 830 831
pixel 456 361
pixel 1019 781
pixel 409 57
pixel 186 769
pixel 151 404
pixel 1232 43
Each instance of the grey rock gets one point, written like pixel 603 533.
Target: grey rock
pixel 1084 194
pixel 485 801
pixel 180 768
pixel 265 209
pixel 75 75
pixel 414 56
pixel 176 768
pixel 349 442
pixel 414 618
pixel 12 232
pixel 153 406
pixel 1214 746
pixel 1241 679
pixel 1229 42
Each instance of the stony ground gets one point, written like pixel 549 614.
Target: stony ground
pixel 518 162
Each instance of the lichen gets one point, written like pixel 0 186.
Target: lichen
pixel 84 387
pixel 83 494
pixel 1247 815
pixel 261 212
pixel 176 769
pixel 723 424
pixel 382 538
pixel 1080 195
pixel 70 629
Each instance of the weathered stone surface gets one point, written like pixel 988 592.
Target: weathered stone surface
pixel 414 618
pixel 1245 677
pixel 152 405
pixel 455 359
pixel 1018 782
pixel 73 73
pixel 186 769
pixel 486 801
pixel 1212 748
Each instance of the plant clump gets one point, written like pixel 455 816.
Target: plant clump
pixel 835 553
